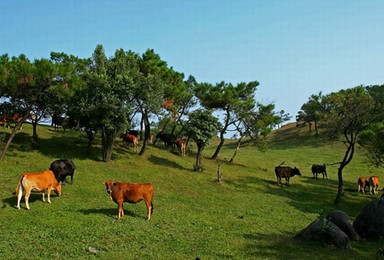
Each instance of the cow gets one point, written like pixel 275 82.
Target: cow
pixel 374 182
pixel 130 139
pixel 166 138
pixel 59 121
pixel 362 183
pixel 318 168
pixel 36 182
pixel 63 168
pixel 181 146
pixel 7 119
pixel 121 192
pixel 285 172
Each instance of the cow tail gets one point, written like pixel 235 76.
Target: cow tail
pixel 281 164
pixel 18 185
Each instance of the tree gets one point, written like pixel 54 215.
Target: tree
pixel 108 87
pixel 372 138
pixel 201 127
pixel 347 113
pixel 257 124
pixel 23 84
pixel 310 112
pixel 154 82
pixel 227 98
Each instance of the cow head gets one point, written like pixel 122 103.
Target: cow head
pixel 57 188
pixel 108 186
pixel 295 171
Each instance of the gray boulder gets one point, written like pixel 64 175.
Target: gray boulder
pixel 324 231
pixel 341 219
pixel 370 222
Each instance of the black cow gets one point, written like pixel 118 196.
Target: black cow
pixel 318 168
pixel 59 121
pixel 285 172
pixel 63 168
pixel 168 139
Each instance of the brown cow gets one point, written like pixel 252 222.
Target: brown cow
pixel 36 182
pixel 362 183
pixel 181 146
pixel 130 139
pixel 285 172
pixel 374 182
pixel 6 120
pixel 121 192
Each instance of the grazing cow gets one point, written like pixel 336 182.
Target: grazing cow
pixel 362 182
pixel 150 139
pixel 63 168
pixel 130 139
pixel 285 172
pixel 181 146
pixel 166 138
pixel 36 182
pixel 318 168
pixel 59 121
pixel 374 182
pixel 121 192
pixel 6 120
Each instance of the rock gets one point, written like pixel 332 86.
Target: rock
pixel 323 230
pixel 370 222
pixel 341 219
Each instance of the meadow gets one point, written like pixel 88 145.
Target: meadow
pixel 246 216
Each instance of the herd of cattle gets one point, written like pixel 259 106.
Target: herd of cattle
pixel 51 179
pixel 287 172
pixel 169 140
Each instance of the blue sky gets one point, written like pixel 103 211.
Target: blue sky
pixel 293 48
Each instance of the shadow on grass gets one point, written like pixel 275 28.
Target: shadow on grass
pixel 314 196
pixel 165 162
pixel 12 201
pixel 110 212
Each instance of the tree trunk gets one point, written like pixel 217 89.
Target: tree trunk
pixel 222 132
pixel 340 187
pixel 198 166
pixel 316 129
pixel 13 133
pixel 107 139
pixel 35 136
pixel 237 149
pixel 147 129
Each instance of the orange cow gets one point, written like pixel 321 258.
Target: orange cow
pixel 374 182
pixel 181 146
pixel 130 139
pixel 36 182
pixel 362 182
pixel 121 192
pixel 7 119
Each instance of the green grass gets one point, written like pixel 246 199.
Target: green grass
pixel 246 217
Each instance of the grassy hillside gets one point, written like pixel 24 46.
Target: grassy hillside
pixel 247 216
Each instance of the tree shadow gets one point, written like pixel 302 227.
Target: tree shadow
pixel 315 196
pixel 165 162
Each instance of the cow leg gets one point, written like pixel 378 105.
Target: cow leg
pixel 19 195
pixel 149 209
pixel 72 178
pixel 43 196
pixel 120 210
pixel 49 194
pixel 26 197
